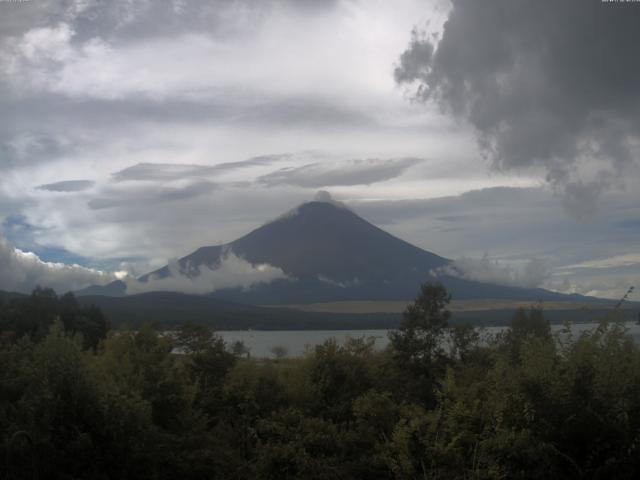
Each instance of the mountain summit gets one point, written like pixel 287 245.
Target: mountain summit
pixel 319 240
pixel 325 252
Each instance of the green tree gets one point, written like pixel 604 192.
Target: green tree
pixel 418 345
pixel 339 374
pixel 207 362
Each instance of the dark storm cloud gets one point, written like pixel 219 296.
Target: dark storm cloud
pixel 149 197
pixel 67 186
pixel 355 172
pixel 176 171
pixel 543 82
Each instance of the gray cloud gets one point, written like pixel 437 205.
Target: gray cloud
pixel 67 186
pixel 152 18
pixel 610 282
pixel 529 274
pixel 21 271
pixel 149 197
pixel 509 224
pixel 18 17
pixel 312 110
pixel 544 83
pixel 355 172
pixel 467 208
pixel 30 147
pixel 220 104
pixel 140 19
pixel 176 171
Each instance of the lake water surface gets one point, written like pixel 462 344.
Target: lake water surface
pixel 260 342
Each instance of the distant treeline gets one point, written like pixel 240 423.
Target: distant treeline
pixel 80 401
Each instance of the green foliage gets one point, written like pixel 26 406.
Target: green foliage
pixel 440 402
pixel 337 375
pixel 206 364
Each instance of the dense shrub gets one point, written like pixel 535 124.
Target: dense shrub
pixel 438 403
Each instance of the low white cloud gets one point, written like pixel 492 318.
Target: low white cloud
pixel 529 274
pixel 232 272
pixel 607 277
pixel 612 286
pixel 22 271
pixel 626 260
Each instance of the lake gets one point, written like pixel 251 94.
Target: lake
pixel 260 342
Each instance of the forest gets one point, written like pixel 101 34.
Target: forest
pixel 79 400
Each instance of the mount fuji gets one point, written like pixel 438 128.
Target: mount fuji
pixel 323 252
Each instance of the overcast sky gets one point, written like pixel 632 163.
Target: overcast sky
pixel 132 133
